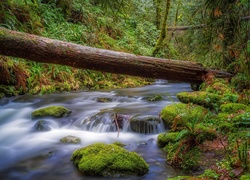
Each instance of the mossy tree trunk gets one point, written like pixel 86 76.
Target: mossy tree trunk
pixel 163 29
pixel 158 11
pixel 45 50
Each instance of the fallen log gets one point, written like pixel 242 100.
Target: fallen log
pixel 45 50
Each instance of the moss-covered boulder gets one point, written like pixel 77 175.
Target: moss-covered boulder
pixel 204 133
pixel 51 111
pixel 205 99
pixel 105 99
pixel 108 160
pixel 180 113
pixel 220 87
pixel 234 107
pixel 155 98
pixel 144 123
pixel 70 140
pixel 164 138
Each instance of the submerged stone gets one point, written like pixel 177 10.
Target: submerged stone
pixel 103 99
pixel 70 140
pixel 155 98
pixel 108 160
pixel 144 123
pixel 42 125
pixel 51 111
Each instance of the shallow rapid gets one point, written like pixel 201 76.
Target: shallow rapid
pixel 29 154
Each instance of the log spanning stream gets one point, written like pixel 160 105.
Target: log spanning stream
pixel 28 154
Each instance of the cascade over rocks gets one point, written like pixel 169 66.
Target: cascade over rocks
pixel 144 123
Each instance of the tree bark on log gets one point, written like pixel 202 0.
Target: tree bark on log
pixel 45 50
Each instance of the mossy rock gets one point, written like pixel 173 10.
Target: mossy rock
pixel 204 133
pixel 51 111
pixel 190 160
pixel 205 99
pixel 245 177
pixel 108 160
pixel 155 98
pixel 118 143
pixel 103 99
pixel 187 161
pixel 220 88
pixel 164 138
pixel 70 140
pixel 234 107
pixel 182 113
pixel 144 123
pixel 227 121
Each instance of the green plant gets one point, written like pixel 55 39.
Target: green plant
pixel 242 149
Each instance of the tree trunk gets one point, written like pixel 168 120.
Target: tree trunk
pixel 47 50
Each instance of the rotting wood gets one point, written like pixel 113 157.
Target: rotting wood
pixel 45 50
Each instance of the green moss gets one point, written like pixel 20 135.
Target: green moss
pixel 155 98
pixel 209 173
pixel 119 144
pixel 51 111
pixel 164 138
pixel 108 160
pixel 226 127
pixel 190 160
pixel 181 178
pixel 219 88
pixel 233 107
pixel 182 113
pixel 204 133
pixel 202 98
pixel 187 161
pixel 245 177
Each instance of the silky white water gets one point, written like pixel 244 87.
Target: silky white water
pixel 26 153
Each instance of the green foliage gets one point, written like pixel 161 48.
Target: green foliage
pixel 178 115
pixel 233 107
pixel 209 173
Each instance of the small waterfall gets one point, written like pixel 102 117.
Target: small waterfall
pixel 107 122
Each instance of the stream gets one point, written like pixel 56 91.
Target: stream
pixel 28 154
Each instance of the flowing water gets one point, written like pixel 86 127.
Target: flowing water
pixel 28 154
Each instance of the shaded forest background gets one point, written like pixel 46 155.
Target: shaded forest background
pixel 135 26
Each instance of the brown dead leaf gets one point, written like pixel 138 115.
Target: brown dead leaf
pixel 217 12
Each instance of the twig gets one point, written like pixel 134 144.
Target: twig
pixel 117 126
